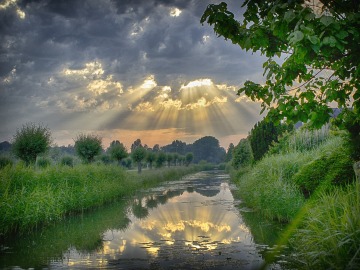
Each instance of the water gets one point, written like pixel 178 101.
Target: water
pixel 193 223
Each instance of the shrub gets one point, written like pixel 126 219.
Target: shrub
pixel 30 141
pixel 4 161
pixel 332 166
pixel 43 162
pixel 105 159
pixel 67 161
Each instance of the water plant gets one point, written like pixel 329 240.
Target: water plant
pixel 329 233
pixel 30 198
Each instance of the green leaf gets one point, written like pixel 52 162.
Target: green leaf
pixel 326 20
pixel 296 36
pixel 289 16
pixel 331 40
pixel 314 39
pixel 342 34
pixel 309 16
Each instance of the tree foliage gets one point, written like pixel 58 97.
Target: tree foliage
pixel 150 158
pixel 87 146
pixel 189 158
pixel 117 151
pixel 138 155
pixel 208 148
pixel 229 153
pixel 242 154
pixel 313 56
pixel 263 134
pixel 160 159
pixel 30 141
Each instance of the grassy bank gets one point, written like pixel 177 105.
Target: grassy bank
pixel 30 198
pixel 328 236
pixel 312 188
pixel 278 185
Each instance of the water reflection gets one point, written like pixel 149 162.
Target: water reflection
pixel 83 234
pixel 187 224
pixel 190 223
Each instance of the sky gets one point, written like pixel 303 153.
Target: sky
pixel 123 70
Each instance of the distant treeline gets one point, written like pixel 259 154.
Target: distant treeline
pixel 206 148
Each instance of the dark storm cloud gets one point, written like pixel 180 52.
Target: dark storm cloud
pixel 126 41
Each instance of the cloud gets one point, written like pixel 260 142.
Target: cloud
pixel 130 64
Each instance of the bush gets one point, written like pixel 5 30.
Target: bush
pixel 4 161
pixel 43 162
pixel 67 161
pixel 105 159
pixel 332 166
pixel 30 141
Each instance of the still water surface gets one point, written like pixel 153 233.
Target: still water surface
pixel 193 223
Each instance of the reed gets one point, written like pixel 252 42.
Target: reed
pixel 35 197
pixel 329 234
pixel 267 187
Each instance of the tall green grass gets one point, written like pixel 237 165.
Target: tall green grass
pixel 276 185
pixel 31 197
pixel 267 187
pixel 300 140
pixel 329 235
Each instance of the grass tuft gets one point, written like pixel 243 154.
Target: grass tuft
pixel 329 235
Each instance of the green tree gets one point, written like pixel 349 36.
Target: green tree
pixel 150 158
pixel 229 152
pixel 175 158
pixel 263 134
pixel 188 158
pixel 30 141
pixel 242 154
pixel 208 148
pixel 138 155
pixel 169 158
pixel 160 159
pixel 135 145
pixel 117 151
pixel 313 57
pixel 87 146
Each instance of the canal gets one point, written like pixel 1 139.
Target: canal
pixel 192 223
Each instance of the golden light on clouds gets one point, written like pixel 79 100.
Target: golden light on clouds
pixel 187 222
pixel 13 3
pixel 175 12
pixel 150 111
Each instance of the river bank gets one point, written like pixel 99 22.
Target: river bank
pixel 312 190
pixel 31 198
pixel 190 223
